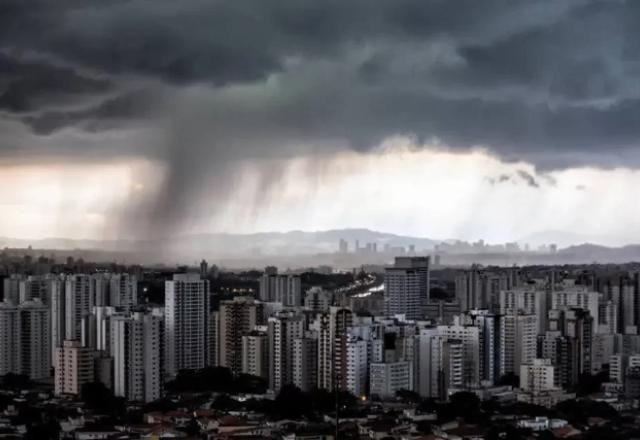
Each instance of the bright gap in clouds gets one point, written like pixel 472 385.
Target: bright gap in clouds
pixel 71 200
pixel 430 191
pixel 402 188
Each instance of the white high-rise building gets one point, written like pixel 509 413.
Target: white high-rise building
pixel 469 337
pixel 102 316
pixel 537 376
pixel 187 317
pixel 255 354
pixel 407 287
pixel 386 378
pixel 35 287
pixel 73 368
pixel 357 365
pixel 332 329
pixel 529 300
pixel 79 301
pixel 578 297
pixel 617 367
pixel 283 330
pixel 518 341
pixel 123 290
pixel 488 325
pixel 136 356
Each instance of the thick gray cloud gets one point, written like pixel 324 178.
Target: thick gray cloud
pixel 553 83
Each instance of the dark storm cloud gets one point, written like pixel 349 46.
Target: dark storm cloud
pixel 553 83
pixel 27 85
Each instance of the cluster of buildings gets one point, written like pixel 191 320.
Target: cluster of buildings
pixel 372 248
pixel 504 327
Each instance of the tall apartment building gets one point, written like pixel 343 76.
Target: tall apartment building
pixel 578 297
pixel 489 349
pixel 318 299
pixel 236 318
pixel 137 341
pixel 11 288
pixel 9 331
pixel 187 317
pixel 35 286
pixel 537 376
pixel 407 287
pixel 123 290
pixel 34 340
pixel 332 334
pixel 73 368
pixel 305 362
pixel 469 338
pixel 356 365
pixel 25 346
pixel 529 300
pixel 283 330
pixel 479 289
pixel 518 341
pixel 285 289
pixel 386 378
pixel 255 354
pixel 57 305
pixel 78 302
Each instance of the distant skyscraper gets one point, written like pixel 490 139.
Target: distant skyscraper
pixel 407 287
pixel 343 246
pixel 187 323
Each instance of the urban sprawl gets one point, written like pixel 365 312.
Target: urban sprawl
pixel 410 350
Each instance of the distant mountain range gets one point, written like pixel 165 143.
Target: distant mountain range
pixel 265 243
pixel 296 247
pixel 565 239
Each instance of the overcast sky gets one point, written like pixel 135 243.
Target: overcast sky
pixel 489 119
